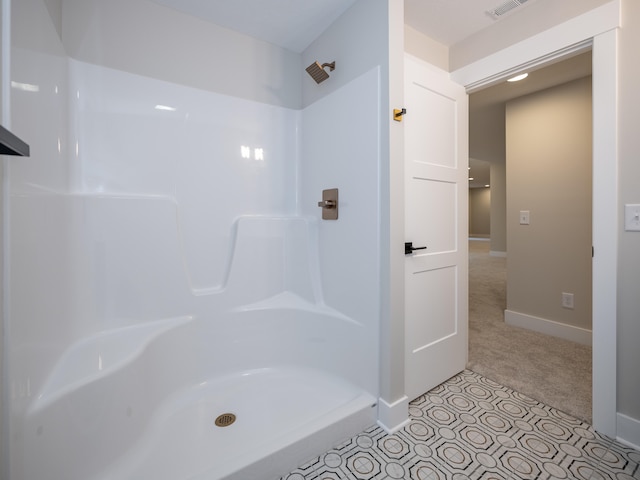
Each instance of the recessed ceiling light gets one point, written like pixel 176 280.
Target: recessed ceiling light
pixel 517 78
pixel 487 186
pixel 470 178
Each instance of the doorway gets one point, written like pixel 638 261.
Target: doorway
pixel 547 117
pixel 547 47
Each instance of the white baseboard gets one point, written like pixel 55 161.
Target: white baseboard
pixel 495 253
pixel 392 417
pixel 628 431
pixel 548 327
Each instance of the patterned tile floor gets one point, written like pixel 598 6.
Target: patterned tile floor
pixel 471 428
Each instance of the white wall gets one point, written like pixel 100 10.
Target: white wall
pixel 39 99
pixel 425 48
pixel 370 35
pixel 4 82
pixel 193 154
pixel 357 42
pixel 336 153
pixel 38 69
pixel 392 232
pixel 158 42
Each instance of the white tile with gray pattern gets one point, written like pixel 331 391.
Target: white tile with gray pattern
pixel 471 428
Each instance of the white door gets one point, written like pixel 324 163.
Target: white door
pixel 436 198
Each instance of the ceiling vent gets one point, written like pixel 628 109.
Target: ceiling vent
pixel 504 8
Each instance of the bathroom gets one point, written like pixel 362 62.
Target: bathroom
pixel 167 221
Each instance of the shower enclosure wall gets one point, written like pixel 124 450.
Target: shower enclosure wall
pixel 168 263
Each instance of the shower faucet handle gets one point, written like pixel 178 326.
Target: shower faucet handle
pixel 329 204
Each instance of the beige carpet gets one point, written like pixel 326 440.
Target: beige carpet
pixel 551 370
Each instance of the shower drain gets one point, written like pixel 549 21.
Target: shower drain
pixel 225 420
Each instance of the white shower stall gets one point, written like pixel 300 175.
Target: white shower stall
pixel 168 263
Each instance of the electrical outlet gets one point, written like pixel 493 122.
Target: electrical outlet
pixel 567 300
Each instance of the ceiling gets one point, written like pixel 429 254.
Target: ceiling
pixel 450 21
pixel 549 75
pixel 294 24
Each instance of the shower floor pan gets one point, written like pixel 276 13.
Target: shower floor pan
pixel 284 416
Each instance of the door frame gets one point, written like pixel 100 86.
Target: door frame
pixel 597 30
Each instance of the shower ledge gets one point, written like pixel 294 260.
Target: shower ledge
pixel 290 301
pixel 98 356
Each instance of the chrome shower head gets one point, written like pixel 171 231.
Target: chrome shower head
pixel 318 72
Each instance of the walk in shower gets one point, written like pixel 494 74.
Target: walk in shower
pixel 178 309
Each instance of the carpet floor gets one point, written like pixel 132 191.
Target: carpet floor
pixel 551 370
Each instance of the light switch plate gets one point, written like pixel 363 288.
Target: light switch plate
pixel 632 217
pixel 524 217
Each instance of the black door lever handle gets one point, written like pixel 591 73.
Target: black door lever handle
pixel 409 248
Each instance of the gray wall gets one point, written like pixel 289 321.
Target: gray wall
pixel 487 142
pixel 549 174
pixel 499 208
pixel 479 212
